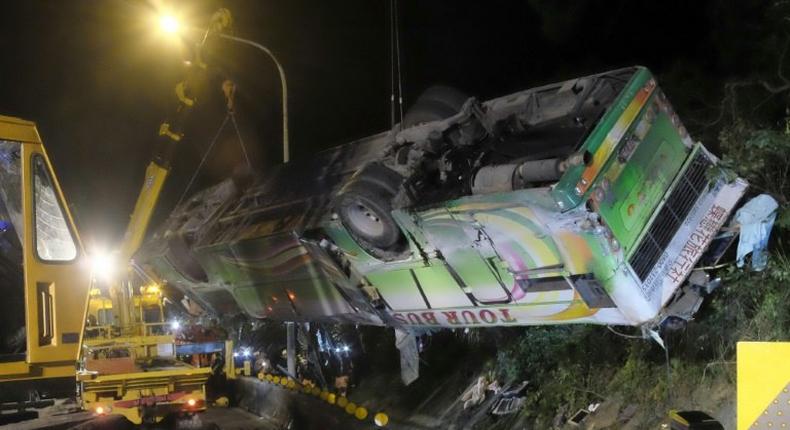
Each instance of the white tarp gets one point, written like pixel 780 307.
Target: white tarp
pixel 756 218
pixel 409 355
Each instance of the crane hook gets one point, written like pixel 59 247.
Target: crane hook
pixel 229 89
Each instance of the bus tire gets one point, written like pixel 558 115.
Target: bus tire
pixel 435 104
pixel 365 210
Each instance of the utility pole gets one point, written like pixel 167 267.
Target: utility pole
pixel 290 328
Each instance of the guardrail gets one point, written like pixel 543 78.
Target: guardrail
pixel 309 388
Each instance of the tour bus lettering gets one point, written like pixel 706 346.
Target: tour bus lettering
pixel 488 316
pixel 469 315
pixel 506 318
pixel 452 317
pixel 430 318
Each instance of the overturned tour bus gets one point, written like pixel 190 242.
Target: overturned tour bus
pixel 584 201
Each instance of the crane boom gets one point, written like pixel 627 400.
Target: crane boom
pixel 171 132
pixel 155 176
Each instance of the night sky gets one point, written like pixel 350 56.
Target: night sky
pixel 98 80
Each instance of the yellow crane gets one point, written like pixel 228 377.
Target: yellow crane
pixel 133 370
pixel 44 272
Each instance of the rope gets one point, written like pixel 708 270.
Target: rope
pixel 716 267
pixel 205 157
pixel 666 358
pixel 241 141
pixel 627 336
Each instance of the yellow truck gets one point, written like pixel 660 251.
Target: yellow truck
pixel 140 378
pixel 129 369
pixel 134 371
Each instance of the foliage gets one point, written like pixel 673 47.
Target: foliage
pixel 761 155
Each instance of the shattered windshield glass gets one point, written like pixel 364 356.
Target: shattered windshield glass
pixel 10 188
pixel 12 287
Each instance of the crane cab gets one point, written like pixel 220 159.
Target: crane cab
pixel 43 275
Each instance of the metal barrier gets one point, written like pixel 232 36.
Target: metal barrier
pixel 309 388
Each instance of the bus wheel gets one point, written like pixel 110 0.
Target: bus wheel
pixel 434 104
pixel 365 209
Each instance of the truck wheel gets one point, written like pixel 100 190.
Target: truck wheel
pixel 434 104
pixel 183 259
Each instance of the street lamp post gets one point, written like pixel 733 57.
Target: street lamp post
pixel 286 149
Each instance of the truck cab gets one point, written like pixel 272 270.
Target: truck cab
pixel 43 274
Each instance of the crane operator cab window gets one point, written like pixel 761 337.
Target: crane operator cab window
pixel 12 288
pixel 54 241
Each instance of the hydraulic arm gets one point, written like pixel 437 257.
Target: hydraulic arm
pixel 171 132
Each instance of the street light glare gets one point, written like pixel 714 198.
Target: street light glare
pixel 103 265
pixel 169 24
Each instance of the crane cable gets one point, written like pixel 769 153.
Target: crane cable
pixel 241 141
pixel 229 88
pixel 397 57
pixel 395 66
pixel 203 160
pixel 392 64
